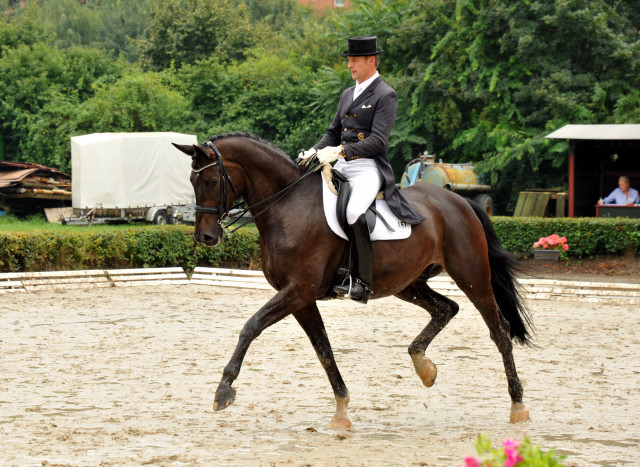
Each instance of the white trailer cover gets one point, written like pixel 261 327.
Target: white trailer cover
pixel 130 170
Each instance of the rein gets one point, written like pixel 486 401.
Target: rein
pixel 224 178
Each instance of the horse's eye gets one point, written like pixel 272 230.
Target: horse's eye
pixel 211 183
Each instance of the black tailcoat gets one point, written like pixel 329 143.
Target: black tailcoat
pixel 363 127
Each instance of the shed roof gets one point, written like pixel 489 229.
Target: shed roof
pixel 12 173
pixel 597 132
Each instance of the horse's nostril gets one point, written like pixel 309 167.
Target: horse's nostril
pixel 209 240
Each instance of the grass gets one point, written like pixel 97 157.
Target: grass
pixel 10 223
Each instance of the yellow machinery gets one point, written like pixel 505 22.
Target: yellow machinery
pixel 460 178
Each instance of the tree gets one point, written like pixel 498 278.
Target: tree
pixel 266 95
pixel 183 32
pixel 112 25
pixel 506 73
pixel 138 102
pixel 23 27
pixel 40 90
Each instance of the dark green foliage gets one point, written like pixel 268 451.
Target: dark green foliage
pixel 506 73
pixel 41 91
pixel 134 247
pixel 137 102
pixel 182 32
pixel 478 81
pixel 267 95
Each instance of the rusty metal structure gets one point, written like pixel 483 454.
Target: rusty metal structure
pixel 459 178
pixel 30 188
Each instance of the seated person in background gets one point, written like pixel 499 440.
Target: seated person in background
pixel 623 195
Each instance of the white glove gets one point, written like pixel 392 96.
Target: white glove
pixel 329 154
pixel 305 157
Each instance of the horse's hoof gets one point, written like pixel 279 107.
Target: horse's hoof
pixel 224 399
pixel 425 369
pixel 519 413
pixel 339 422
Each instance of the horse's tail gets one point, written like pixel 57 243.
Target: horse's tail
pixel 504 266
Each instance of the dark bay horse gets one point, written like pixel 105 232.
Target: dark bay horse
pixel 300 255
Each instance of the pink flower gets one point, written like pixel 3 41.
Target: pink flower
pixel 512 458
pixel 552 242
pixel 471 462
pixel 511 450
pixel 510 443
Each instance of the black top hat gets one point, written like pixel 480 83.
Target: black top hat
pixel 362 46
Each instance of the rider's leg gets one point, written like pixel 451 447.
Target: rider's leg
pixel 362 259
pixel 365 183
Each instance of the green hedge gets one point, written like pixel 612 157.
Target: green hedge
pixel 135 247
pixel 587 237
pixel 160 246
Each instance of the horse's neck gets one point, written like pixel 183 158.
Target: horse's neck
pixel 265 179
pixel 266 189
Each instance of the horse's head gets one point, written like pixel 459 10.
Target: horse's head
pixel 214 190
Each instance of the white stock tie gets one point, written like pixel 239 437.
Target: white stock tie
pixel 357 91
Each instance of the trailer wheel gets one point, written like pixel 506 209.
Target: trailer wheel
pixel 486 203
pixel 161 218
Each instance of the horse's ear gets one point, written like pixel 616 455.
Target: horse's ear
pixel 188 149
pixel 200 152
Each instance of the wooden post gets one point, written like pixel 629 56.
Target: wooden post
pixel 572 174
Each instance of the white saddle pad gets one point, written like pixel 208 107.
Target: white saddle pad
pixel 380 232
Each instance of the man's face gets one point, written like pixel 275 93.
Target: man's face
pixel 362 68
pixel 624 185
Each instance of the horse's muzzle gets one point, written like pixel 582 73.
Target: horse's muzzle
pixel 208 239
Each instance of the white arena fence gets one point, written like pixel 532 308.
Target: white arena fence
pixel 535 289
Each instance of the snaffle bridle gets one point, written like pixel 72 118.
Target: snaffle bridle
pixel 225 180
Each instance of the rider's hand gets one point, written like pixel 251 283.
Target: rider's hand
pixel 305 157
pixel 329 154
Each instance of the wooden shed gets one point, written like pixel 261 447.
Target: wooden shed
pixel 598 156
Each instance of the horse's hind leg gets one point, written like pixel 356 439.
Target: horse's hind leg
pixel 499 332
pixel 311 321
pixel 442 310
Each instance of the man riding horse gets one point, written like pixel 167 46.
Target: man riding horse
pixel 358 138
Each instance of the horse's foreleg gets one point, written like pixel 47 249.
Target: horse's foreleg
pixel 442 310
pixel 273 311
pixel 311 321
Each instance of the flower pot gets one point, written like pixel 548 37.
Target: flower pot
pixel 546 256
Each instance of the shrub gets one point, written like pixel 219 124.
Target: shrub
pixel 587 236
pixel 133 247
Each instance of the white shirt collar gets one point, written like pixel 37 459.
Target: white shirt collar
pixel 364 85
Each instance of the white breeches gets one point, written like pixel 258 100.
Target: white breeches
pixel 365 180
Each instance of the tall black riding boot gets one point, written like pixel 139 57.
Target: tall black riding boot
pixel 359 287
